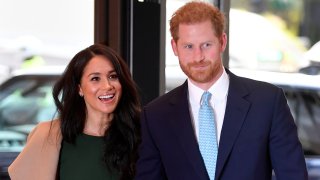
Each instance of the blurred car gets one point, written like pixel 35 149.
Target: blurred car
pixel 312 57
pixel 313 54
pixel 25 100
pixel 303 95
pixel 4 72
pixel 260 42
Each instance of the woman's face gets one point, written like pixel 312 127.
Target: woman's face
pixel 100 86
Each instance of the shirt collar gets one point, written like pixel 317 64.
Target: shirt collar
pixel 218 90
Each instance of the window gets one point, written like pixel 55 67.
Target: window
pixel 54 30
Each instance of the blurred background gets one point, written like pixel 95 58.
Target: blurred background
pixel 276 41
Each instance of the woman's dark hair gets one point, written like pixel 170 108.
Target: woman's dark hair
pixel 123 136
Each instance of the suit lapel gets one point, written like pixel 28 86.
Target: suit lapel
pixel 182 126
pixel 236 111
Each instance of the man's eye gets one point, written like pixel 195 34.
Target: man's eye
pixel 206 45
pixel 188 46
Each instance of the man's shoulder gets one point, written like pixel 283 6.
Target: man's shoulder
pixel 169 98
pixel 249 79
pixel 251 83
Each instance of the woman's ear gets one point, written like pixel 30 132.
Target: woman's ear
pixel 80 91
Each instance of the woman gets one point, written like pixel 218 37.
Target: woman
pixel 97 132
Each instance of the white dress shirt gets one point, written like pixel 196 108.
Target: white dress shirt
pixel 218 101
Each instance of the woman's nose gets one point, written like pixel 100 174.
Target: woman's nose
pixel 107 84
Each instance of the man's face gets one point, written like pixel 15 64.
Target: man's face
pixel 199 52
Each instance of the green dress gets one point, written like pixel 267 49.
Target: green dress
pixel 84 160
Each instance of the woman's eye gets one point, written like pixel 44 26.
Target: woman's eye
pixel 113 76
pixel 95 79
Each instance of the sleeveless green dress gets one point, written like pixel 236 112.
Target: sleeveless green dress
pixel 84 160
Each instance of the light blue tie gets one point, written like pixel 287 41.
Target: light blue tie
pixel 207 135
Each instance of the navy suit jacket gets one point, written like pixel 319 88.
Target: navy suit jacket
pixel 258 135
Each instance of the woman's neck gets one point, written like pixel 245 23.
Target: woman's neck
pixel 97 125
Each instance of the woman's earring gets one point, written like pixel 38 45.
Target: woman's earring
pixel 81 95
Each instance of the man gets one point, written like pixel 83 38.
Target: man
pixel 254 132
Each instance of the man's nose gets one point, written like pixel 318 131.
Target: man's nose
pixel 198 54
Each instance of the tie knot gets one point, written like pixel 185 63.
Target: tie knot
pixel 205 98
